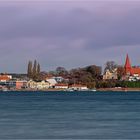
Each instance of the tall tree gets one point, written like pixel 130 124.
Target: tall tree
pixel 35 70
pixel 38 71
pixel 38 68
pixel 29 70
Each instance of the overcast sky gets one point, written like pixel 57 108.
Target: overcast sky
pixel 68 33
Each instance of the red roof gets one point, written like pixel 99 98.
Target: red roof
pixel 61 85
pixel 135 71
pixel 4 78
pixel 129 69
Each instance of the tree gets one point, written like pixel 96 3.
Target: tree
pixel 38 71
pixel 38 68
pixel 42 75
pixel 110 65
pixel 94 70
pixel 88 75
pixel 61 71
pixel 29 70
pixel 120 72
pixel 35 70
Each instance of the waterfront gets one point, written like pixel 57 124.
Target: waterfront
pixel 75 115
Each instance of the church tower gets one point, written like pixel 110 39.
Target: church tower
pixel 127 65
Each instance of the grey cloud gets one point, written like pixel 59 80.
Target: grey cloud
pixel 67 34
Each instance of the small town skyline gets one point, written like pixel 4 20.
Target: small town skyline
pixel 112 77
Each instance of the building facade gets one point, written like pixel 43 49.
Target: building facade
pixel 110 74
pixel 38 85
pixel 61 86
pixel 78 87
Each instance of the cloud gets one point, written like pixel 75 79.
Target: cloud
pixel 67 33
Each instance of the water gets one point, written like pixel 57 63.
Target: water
pixel 70 115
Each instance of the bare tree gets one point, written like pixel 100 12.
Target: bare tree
pixel 110 65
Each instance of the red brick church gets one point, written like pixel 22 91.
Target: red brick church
pixel 129 70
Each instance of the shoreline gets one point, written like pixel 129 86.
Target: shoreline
pixel 99 89
pixel 118 89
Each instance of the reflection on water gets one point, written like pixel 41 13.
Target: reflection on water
pixel 75 115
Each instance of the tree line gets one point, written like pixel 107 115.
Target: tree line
pixel 86 75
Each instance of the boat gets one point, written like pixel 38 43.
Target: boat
pixel 93 90
pixel 70 90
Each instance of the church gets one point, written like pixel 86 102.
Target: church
pixel 129 70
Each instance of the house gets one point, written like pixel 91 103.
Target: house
pixel 31 84
pixel 51 81
pixel 38 85
pixel 21 84
pixel 5 77
pixel 61 86
pixel 11 84
pixel 42 85
pixel 78 87
pixel 110 74
pixel 134 78
pixel 59 79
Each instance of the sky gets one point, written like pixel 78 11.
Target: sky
pixel 68 33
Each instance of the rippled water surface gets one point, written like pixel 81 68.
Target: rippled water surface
pixel 75 115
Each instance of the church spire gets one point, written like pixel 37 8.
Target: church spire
pixel 127 64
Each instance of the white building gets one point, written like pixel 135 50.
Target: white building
pixel 59 79
pixel 110 74
pixel 43 85
pixel 135 77
pixel 51 81
pixel 61 86
pixel 78 87
pixel 38 85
